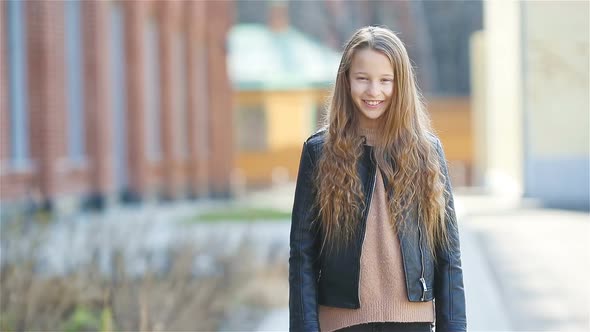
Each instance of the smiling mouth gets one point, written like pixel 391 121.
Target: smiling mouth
pixel 372 103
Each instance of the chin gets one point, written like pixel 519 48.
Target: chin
pixel 373 116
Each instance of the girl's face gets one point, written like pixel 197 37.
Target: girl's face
pixel 371 85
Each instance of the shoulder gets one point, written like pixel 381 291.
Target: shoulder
pixel 436 144
pixel 317 137
pixel 433 139
pixel 315 142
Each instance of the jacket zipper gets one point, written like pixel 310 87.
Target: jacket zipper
pixel 370 196
pixel 422 280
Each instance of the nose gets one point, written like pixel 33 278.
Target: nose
pixel 372 89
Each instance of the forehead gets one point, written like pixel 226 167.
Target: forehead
pixel 370 61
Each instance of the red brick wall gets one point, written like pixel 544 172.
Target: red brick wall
pixel 13 183
pixel 97 98
pixel 207 167
pixel 135 22
pixel 54 173
pixel 168 16
pixel 219 93
pixel 45 86
pixel 197 168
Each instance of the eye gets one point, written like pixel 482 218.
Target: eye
pixel 386 80
pixel 361 78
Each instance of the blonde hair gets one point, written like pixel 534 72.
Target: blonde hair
pixel 403 151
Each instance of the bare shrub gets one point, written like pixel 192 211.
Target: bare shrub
pixel 173 300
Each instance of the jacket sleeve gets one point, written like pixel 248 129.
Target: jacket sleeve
pixel 448 281
pixel 303 257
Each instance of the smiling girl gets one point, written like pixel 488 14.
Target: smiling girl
pixel 374 241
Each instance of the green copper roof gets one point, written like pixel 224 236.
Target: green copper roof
pixel 260 59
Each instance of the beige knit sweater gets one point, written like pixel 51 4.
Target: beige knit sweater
pixel 383 294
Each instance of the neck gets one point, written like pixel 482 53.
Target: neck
pixel 370 133
pixel 368 123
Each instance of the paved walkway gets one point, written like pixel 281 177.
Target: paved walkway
pixel 539 267
pixel 525 268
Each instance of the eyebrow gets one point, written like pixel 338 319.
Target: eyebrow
pixel 363 73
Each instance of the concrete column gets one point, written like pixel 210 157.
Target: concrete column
pixel 503 171
pixel 478 106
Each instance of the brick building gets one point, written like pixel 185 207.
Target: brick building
pixel 114 100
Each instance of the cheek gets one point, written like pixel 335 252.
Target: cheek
pixel 355 90
pixel 388 91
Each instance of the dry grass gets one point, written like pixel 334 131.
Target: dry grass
pixel 233 298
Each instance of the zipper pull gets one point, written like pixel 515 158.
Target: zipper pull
pixel 424 289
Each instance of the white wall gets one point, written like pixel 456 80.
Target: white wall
pixel 531 97
pixel 556 94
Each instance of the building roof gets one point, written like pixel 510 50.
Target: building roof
pixel 261 59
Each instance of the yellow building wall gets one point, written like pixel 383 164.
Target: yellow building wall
pixel 451 119
pixel 291 119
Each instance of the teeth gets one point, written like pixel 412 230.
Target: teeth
pixel 372 103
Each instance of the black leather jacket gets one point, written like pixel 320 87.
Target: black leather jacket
pixel 332 277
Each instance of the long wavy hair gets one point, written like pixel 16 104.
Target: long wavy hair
pixel 403 151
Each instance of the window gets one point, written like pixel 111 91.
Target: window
pixel 251 131
pixel 17 78
pixel 180 100
pixel 74 81
pixel 119 93
pixel 318 113
pixel 201 93
pixel 152 83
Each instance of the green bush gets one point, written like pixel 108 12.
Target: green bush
pixel 82 319
pixel 241 215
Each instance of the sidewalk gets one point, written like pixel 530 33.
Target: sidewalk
pixel 538 264
pixel 514 280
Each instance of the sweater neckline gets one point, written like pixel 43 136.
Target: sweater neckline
pixel 370 135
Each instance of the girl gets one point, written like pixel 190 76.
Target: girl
pixel 374 241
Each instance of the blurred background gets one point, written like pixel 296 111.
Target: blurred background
pixel 148 153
